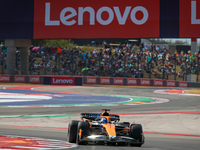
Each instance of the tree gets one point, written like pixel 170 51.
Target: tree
pixel 179 42
pixel 39 42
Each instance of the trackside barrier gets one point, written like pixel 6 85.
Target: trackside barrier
pixel 131 81
pixel 145 82
pixel 157 82
pixel 79 80
pixel 5 78
pixel 46 80
pixel 183 84
pixel 135 82
pixel 62 80
pixel 19 79
pixel 105 80
pixel 34 79
pixel 91 80
pixel 118 81
pixel 171 83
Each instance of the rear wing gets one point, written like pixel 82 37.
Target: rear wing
pixel 92 116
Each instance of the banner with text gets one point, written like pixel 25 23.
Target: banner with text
pixel 5 78
pixel 91 80
pixel 19 79
pixel 171 83
pixel 96 19
pixel 34 79
pixel 145 82
pixel 131 81
pixel 183 84
pixel 118 81
pixel 62 80
pixel 189 18
pixel 158 82
pixel 105 80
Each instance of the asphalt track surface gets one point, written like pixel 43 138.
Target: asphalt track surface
pixel 177 103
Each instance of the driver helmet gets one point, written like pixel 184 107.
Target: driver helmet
pixel 104 120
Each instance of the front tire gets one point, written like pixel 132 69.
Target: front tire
pixel 136 132
pixel 72 131
pixel 83 131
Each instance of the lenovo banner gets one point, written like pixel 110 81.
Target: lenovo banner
pixel 118 81
pixel 62 80
pixel 183 84
pixel 157 82
pixel 5 78
pixel 105 80
pixel 91 80
pixel 145 82
pixel 171 83
pixel 96 19
pixel 189 18
pixel 19 79
pixel 131 81
pixel 34 79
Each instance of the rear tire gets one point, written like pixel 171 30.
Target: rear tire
pixel 83 131
pixel 72 131
pixel 136 132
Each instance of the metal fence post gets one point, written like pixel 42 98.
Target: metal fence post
pixel 85 64
pixel 175 70
pixel 163 73
pixel 99 64
pixel 111 66
pixel 124 66
pixel 150 68
pixel 72 62
pixel 3 64
pixel 59 63
pixel 186 71
pixel 45 64
pixel 138 64
pixel 197 69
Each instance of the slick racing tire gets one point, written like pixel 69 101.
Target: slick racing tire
pixel 72 131
pixel 136 132
pixel 83 131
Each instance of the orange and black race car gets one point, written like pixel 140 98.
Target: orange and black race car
pixel 104 128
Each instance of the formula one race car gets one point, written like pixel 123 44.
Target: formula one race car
pixel 104 128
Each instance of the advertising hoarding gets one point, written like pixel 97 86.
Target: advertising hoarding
pixel 99 19
pixel 62 80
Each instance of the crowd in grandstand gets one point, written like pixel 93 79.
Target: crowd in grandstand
pixel 119 61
